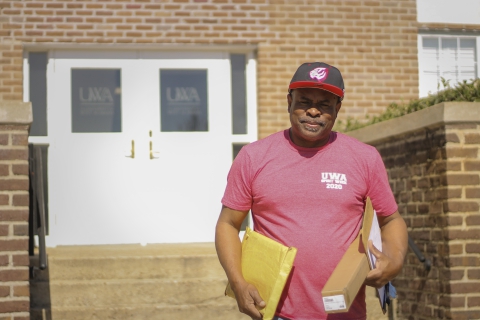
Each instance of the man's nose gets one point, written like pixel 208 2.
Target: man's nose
pixel 313 112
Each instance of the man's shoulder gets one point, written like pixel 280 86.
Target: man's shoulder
pixel 266 143
pixel 345 141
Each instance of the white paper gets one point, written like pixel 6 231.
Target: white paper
pixel 332 303
pixel 376 237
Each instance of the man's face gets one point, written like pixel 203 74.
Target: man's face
pixel 312 115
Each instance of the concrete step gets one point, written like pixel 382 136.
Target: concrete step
pixel 164 281
pixel 227 310
pixel 157 261
pixel 128 292
pixel 122 267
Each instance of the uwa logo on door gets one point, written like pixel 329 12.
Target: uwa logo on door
pixel 334 180
pixel 95 95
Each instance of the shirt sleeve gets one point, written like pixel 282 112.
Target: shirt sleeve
pixel 238 192
pixel 379 189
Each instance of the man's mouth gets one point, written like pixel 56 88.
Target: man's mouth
pixel 313 123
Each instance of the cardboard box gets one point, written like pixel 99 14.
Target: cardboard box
pixel 348 276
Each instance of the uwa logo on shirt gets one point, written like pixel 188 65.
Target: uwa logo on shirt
pixel 334 180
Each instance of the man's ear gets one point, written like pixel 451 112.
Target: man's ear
pixel 289 101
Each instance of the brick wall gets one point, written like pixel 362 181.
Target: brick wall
pixel 435 174
pixel 374 43
pixel 14 202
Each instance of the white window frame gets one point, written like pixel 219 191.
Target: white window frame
pixel 424 88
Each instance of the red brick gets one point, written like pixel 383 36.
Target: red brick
pixel 448 193
pixel 14 184
pixel 21 290
pixel 473 138
pixel 14 275
pixel 4 260
pixel 473 273
pixel 472 192
pixel 20 169
pixel 452 137
pixel 472 248
pixel 4 199
pixel 3 139
pixel 20 230
pixel 464 287
pixel 14 306
pixel 453 275
pixel 473 220
pixel 454 234
pixel 20 260
pixel 460 206
pixel 20 200
pixel 462 179
pixel 455 249
pixel 463 261
pixel 13 245
pixel 452 302
pixel 473 302
pixel 463 315
pixel 472 165
pixel 4 230
pixel 14 215
pixel 4 291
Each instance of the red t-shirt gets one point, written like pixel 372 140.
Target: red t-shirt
pixel 311 199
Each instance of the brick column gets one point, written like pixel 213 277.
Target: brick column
pixel 433 162
pixel 15 120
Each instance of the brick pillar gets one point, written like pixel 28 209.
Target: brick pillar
pixel 433 162
pixel 462 223
pixel 15 120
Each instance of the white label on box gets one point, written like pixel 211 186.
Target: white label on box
pixel 334 303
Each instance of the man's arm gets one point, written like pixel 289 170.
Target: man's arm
pixel 394 246
pixel 229 251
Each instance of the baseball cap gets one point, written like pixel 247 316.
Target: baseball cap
pixel 318 75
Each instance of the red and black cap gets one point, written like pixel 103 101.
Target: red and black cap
pixel 318 75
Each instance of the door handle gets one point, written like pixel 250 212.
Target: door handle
pixel 153 153
pixel 151 148
pixel 132 151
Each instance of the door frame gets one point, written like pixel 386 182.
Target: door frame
pixel 251 78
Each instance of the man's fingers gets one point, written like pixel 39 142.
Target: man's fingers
pixel 377 253
pixel 257 299
pixel 250 302
pixel 374 279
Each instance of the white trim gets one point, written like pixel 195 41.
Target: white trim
pixel 419 57
pixel 26 78
pixel 252 107
pixel 247 48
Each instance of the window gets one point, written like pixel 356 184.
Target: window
pixel 453 58
pixel 239 93
pixel 96 100
pixel 38 92
pixel 183 100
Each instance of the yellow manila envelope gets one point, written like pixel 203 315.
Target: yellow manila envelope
pixel 266 264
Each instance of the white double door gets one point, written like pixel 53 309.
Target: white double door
pixel 142 183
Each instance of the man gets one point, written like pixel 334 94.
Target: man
pixel 306 187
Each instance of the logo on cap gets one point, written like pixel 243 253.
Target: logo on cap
pixel 319 73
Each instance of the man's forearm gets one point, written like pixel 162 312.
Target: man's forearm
pixel 395 242
pixel 229 251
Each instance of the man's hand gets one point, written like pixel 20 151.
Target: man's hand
pixel 394 246
pixel 382 273
pixel 249 300
pixel 229 250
